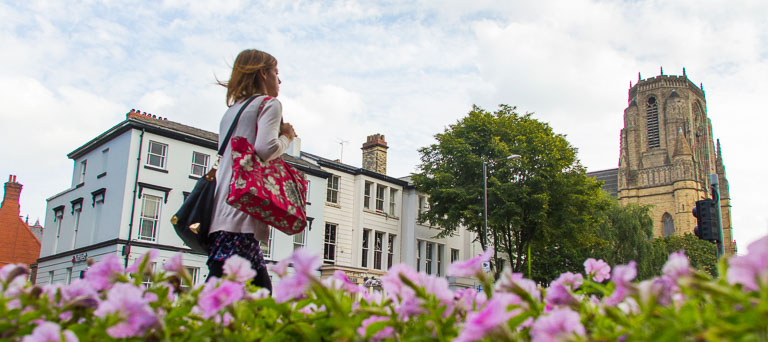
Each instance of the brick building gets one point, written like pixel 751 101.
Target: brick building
pixel 18 243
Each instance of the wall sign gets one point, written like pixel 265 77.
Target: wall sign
pixel 80 257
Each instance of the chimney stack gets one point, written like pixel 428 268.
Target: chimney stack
pixel 375 154
pixel 12 194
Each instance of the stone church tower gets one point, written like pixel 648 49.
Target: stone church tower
pixel 668 154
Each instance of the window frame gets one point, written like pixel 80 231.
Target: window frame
pixel 652 123
pixel 428 257
pixel 668 225
pixel 330 242
pixel 193 272
pixel 204 166
pixel 104 160
pixel 143 218
pixel 268 245
pixel 58 217
pixel 419 243
pixel 303 243
pixel 146 280
pixel 366 248
pixel 77 211
pixel 367 195
pixel 83 169
pixel 440 251
pixel 392 201
pixel 456 257
pixel 332 189
pixel 163 156
pixel 380 191
pixel 390 250
pixel 378 249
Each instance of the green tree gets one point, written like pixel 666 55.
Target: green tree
pixel 628 235
pixel 540 205
pixel 701 253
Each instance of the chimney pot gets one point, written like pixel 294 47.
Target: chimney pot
pixel 375 153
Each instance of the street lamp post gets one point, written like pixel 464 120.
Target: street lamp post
pixel 484 238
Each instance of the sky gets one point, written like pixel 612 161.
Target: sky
pixel 406 69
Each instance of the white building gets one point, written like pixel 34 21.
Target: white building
pixel 126 185
pixel 371 222
pixel 421 247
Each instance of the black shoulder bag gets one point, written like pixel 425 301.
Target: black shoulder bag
pixel 192 221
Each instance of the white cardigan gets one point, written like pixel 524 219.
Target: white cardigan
pixel 267 143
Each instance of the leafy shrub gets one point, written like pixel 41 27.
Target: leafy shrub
pixel 604 304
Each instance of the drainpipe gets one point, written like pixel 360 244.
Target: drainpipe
pixel 127 247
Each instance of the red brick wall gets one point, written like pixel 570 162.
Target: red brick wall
pixel 17 243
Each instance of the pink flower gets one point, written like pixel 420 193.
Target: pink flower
pixel 239 269
pixel 509 280
pixel 597 270
pixel 281 268
pixel 148 256
pixel 624 274
pixel 129 304
pixel 374 297
pixel 470 267
pixel 409 306
pixel 558 294
pixel 570 279
pixel 217 295
pixel 465 299
pixel 50 332
pixel 174 264
pixel 394 286
pixel 290 287
pixel 438 286
pixel 14 276
pixel 479 323
pixel 103 273
pixel 750 270
pixel 677 265
pixel 381 334
pixel 339 280
pixel 558 325
pixel 305 263
pixel 80 290
pixel 10 272
pixel 622 277
pixel 659 289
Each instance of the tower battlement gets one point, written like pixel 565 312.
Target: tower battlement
pixel 663 81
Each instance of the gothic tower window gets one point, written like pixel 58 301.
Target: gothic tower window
pixel 669 225
pixel 652 114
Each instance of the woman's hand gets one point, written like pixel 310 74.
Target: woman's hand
pixel 286 129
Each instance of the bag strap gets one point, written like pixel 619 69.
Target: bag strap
pixel 234 124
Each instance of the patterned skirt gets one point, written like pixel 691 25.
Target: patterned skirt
pixel 227 244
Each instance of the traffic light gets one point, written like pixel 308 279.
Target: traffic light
pixel 706 220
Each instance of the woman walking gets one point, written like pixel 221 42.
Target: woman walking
pixel 254 74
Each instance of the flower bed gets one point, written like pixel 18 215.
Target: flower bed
pixel 604 303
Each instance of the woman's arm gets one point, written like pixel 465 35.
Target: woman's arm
pixel 269 144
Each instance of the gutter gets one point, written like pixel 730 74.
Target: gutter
pixel 127 247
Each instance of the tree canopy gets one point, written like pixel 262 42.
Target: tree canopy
pixel 541 202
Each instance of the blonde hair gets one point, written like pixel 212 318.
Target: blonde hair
pixel 245 81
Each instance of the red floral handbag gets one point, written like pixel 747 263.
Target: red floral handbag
pixel 273 192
